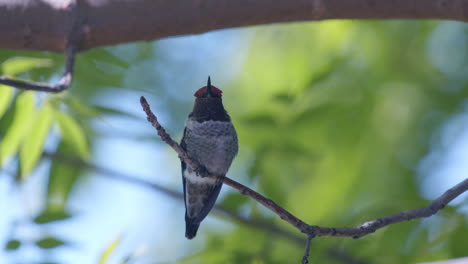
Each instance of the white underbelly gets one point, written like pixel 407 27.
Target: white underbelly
pixel 192 177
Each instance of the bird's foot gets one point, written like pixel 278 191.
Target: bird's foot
pixel 201 171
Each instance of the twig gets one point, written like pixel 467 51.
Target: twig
pixel 166 137
pixel 364 229
pixel 281 212
pixel 284 214
pixel 371 226
pixel 312 231
pixel 118 175
pixel 73 43
pixel 61 85
pixel 305 258
pixel 258 224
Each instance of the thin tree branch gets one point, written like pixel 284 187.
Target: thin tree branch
pixel 44 25
pixel 312 231
pixel 60 86
pixel 284 214
pixel 371 226
pixel 258 224
pixel 305 258
pixel 362 230
pixel 281 212
pixel 118 175
pixel 72 41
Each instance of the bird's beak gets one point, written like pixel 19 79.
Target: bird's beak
pixel 208 86
pixel 209 92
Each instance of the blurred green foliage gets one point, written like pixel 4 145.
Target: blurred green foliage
pixel 337 116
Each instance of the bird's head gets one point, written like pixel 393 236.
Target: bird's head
pixel 208 104
pixel 208 91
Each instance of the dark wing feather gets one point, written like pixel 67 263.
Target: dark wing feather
pixel 192 224
pixel 183 145
pixel 214 192
pixel 209 203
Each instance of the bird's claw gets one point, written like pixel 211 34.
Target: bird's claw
pixel 201 171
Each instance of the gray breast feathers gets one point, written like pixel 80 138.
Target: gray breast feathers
pixel 212 143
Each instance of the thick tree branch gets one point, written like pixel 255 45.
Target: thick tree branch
pixel 312 231
pixel 73 25
pixel 45 25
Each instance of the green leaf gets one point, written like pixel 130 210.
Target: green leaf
pixel 79 107
pixel 31 148
pixel 87 110
pixel 61 179
pixel 72 134
pixel 105 255
pixel 111 111
pixel 17 65
pixel 5 98
pixel 24 112
pixel 50 242
pixel 13 244
pixel 48 216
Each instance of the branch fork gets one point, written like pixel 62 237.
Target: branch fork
pixel 60 86
pixel 73 40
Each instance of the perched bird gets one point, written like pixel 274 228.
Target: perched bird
pixel 211 140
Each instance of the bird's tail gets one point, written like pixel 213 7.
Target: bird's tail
pixel 191 229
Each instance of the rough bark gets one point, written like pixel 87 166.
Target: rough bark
pixel 52 24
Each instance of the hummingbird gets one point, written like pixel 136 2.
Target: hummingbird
pixel 211 140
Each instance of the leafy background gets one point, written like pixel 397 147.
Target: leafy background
pixel 340 122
